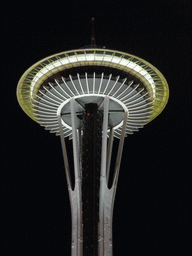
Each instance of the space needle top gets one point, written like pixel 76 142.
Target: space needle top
pixel 130 81
pixel 92 95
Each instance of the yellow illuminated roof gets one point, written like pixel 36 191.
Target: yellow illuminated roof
pixel 151 77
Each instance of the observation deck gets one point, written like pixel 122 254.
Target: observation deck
pixel 129 81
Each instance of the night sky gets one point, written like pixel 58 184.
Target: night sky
pixel 152 200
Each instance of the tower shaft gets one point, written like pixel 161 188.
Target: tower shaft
pixel 91 164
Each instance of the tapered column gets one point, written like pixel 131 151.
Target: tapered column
pixel 107 196
pixel 91 200
pixel 77 227
pixel 103 182
pixel 74 195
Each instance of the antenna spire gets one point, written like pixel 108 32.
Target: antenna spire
pixel 93 42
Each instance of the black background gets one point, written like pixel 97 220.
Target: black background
pixel 152 201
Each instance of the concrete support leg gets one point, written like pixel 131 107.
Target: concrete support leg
pixel 106 195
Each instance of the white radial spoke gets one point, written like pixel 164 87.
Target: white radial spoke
pixel 134 95
pixel 63 98
pixel 141 110
pixel 65 129
pixel 139 122
pixel 132 129
pixel 107 83
pixel 52 127
pixel 50 122
pixel 113 85
pixel 139 114
pixel 54 131
pixel 40 109
pixel 118 133
pixel 119 87
pixel 61 88
pixel 87 82
pixel 140 103
pixel 138 118
pixel 123 92
pixel 39 112
pixel 68 133
pixel 129 131
pixel 130 103
pixel 44 100
pixel 51 131
pixel 133 126
pixel 101 81
pixel 45 105
pixel 53 95
pixel 70 136
pixel 134 89
pixel 73 85
pixel 47 116
pixel 80 83
pixel 48 97
pixel 67 87
pixel 142 106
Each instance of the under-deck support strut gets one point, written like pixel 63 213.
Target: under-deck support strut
pixel 106 195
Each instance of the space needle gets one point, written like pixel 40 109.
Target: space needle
pixel 90 96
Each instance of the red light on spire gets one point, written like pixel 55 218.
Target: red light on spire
pixel 93 18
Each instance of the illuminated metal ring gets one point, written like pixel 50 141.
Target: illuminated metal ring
pixel 143 90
